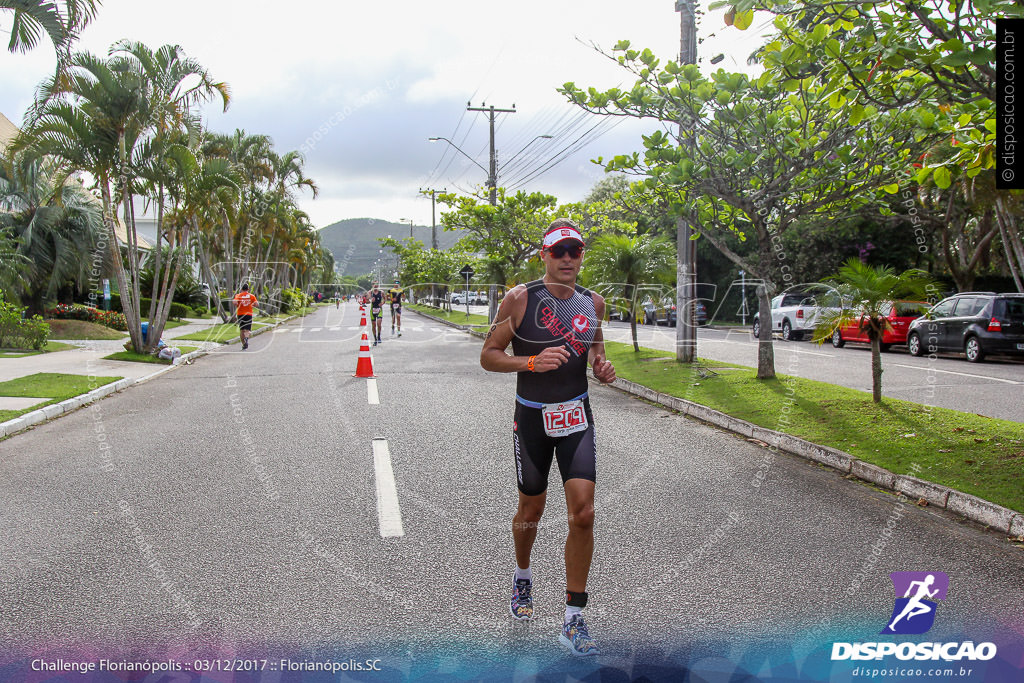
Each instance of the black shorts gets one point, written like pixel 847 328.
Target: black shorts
pixel 376 313
pixel 534 450
pixel 396 308
pixel 245 322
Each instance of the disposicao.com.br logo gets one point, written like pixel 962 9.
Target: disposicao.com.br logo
pixel 917 596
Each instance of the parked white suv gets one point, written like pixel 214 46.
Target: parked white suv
pixel 475 298
pixel 795 313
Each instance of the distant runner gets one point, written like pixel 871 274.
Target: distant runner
pixel 376 312
pixel 244 303
pixel 395 296
pixel 554 326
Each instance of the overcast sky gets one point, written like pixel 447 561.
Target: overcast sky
pixel 380 78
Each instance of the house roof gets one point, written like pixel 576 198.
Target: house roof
pixel 8 131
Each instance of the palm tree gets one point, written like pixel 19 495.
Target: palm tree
pixel 626 262
pixel 90 118
pixel 13 265
pixel 56 223
pixel 865 296
pixel 179 83
pixel 62 25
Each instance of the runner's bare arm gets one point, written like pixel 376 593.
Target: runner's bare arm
pixel 507 320
pixel 603 369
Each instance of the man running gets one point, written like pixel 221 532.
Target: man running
pixel 376 312
pixel 395 295
pixel 554 326
pixel 244 303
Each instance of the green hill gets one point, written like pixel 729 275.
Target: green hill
pixel 353 241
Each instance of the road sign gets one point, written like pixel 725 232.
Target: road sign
pixel 467 271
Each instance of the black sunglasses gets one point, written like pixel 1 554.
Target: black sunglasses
pixel 560 250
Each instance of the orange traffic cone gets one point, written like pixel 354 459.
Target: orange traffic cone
pixel 364 366
pixel 362 320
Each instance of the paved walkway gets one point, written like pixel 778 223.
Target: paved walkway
pixel 87 357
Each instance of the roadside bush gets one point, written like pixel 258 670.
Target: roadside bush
pixel 292 299
pixel 177 311
pixel 21 333
pixel 111 319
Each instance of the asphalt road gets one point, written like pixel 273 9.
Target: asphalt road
pixel 993 387
pixel 235 512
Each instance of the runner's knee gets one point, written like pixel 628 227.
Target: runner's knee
pixel 581 517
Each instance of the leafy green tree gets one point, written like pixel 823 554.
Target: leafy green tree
pixel 623 263
pixel 508 233
pixel 937 56
pixel 866 293
pixel 753 156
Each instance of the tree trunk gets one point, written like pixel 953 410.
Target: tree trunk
pixel 765 349
pixel 632 317
pixel 876 368
pixel 127 305
pixel 1012 246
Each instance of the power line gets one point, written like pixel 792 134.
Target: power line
pixel 598 130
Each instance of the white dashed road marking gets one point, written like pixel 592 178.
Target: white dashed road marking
pixel 371 392
pixel 962 374
pixel 388 512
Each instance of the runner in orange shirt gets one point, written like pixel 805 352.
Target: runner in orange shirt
pixel 244 301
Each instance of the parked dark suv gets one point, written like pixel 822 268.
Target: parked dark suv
pixel 975 323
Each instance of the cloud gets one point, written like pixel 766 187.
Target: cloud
pixel 359 87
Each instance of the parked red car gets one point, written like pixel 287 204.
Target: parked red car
pixel 899 315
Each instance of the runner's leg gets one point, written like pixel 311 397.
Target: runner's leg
pixel 579 546
pixel 524 526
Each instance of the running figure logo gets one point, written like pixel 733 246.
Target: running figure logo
pixel 917 594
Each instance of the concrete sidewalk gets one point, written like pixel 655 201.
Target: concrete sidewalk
pixel 87 356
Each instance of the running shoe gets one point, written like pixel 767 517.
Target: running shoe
pixel 399 333
pixel 521 604
pixel 576 637
pixel 245 345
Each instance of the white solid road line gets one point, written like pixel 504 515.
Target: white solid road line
pixel 388 513
pixel 962 374
pixel 372 397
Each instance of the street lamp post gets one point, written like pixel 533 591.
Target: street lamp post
pixel 492 184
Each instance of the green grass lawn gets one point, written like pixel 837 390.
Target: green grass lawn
pixel 49 388
pixel 80 329
pixel 978 455
pixel 455 316
pixel 135 357
pixel 222 333
pixel 50 347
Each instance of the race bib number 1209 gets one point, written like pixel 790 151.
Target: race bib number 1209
pixel 562 419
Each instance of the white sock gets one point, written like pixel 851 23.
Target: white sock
pixel 524 573
pixel 570 611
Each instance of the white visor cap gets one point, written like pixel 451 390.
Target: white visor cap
pixel 560 234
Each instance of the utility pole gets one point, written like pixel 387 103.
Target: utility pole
pixel 492 175
pixel 433 213
pixel 686 248
pixel 492 182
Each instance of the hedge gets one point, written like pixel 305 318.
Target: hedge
pixel 17 332
pixel 178 311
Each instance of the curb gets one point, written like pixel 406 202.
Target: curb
pixel 970 507
pixel 55 410
pixel 465 328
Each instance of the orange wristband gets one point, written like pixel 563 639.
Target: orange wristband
pixel 529 363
